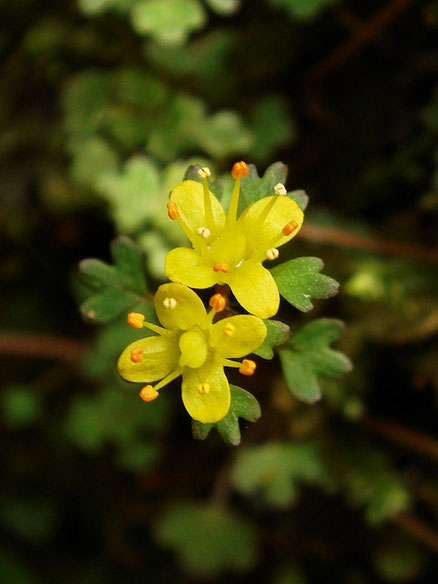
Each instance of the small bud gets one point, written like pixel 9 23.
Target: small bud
pixel 135 319
pixel 239 169
pixel 169 303
pixel 280 190
pixel 248 367
pixel 272 254
pixel 172 210
pixel 204 172
pixel 229 329
pixel 289 228
pixel 137 355
pixel 218 302
pixel 203 388
pixel 204 232
pixel 148 393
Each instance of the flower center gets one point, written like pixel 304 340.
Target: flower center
pixel 193 347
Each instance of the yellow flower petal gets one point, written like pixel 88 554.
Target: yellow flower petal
pixel 187 266
pixel 178 307
pixel 160 357
pixel 255 289
pixel 237 336
pixel 206 393
pixel 189 197
pixel 261 234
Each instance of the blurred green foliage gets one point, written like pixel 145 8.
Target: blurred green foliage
pixel 103 106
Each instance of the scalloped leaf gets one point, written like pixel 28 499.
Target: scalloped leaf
pixel 254 187
pixel 243 405
pixel 299 280
pixel 308 355
pixel 278 333
pixel 114 288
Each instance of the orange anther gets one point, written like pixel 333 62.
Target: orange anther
pixel 218 302
pixel 137 355
pixel 172 210
pixel 229 329
pixel 289 228
pixel 248 367
pixel 135 319
pixel 239 169
pixel 148 393
pixel 203 388
pixel 224 267
pixel 221 267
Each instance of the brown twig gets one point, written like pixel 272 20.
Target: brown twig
pixel 343 238
pixel 418 529
pixel 364 35
pixel 413 439
pixel 44 346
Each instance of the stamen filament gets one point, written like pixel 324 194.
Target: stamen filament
pixel 208 210
pixel 234 203
pixel 173 375
pixel 229 363
pixel 157 329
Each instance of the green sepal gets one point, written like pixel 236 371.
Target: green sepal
pixel 308 355
pixel 243 405
pixel 299 280
pixel 114 288
pixel 215 186
pixel 277 334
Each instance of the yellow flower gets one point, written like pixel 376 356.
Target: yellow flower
pixel 227 249
pixel 190 345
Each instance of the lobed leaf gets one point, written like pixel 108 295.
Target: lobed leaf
pixel 278 333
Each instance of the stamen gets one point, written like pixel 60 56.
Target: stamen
pixel 172 210
pixel 248 367
pixel 173 375
pixel 148 393
pixel 218 302
pixel 289 228
pixel 137 355
pixel 135 319
pixel 280 190
pixel 169 303
pixel 239 170
pixel 272 254
pixel 174 214
pixel 204 232
pixel 229 329
pixel 203 388
pixel 221 267
pixel 204 172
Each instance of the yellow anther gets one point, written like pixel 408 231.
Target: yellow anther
pixel 289 228
pixel 135 319
pixel 280 190
pixel 203 388
pixel 221 267
pixel 204 172
pixel 172 210
pixel 137 355
pixel 148 393
pixel 204 232
pixel 248 367
pixel 229 329
pixel 169 303
pixel 272 254
pixel 239 169
pixel 218 302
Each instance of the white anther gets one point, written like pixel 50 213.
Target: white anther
pixel 280 190
pixel 204 232
pixel 169 303
pixel 272 254
pixel 204 172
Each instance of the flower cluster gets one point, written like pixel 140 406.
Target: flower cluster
pixel 227 249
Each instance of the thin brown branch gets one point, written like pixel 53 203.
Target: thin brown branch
pixel 418 529
pixel 413 439
pixel 343 238
pixel 43 346
pixel 368 31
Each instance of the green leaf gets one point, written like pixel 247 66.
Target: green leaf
pixel 272 126
pixel 278 333
pixel 299 280
pixel 274 469
pixel 115 288
pixel 254 187
pixel 224 7
pixel 168 21
pixel 225 134
pixel 20 405
pixel 308 354
pixel 243 405
pixel 207 540
pixel 303 9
